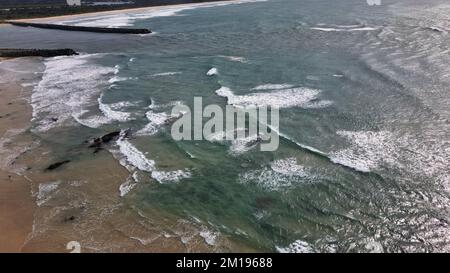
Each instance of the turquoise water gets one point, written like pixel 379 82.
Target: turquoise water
pixel 363 163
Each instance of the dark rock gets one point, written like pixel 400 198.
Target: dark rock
pixel 69 219
pixel 254 142
pixel 99 141
pixel 57 165
pixel 108 137
pixel 126 133
pixel 173 119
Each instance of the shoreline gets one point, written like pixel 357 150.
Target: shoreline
pixel 114 12
pixel 29 226
pixel 17 205
pixel 33 219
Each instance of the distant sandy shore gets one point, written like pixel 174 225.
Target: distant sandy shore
pixel 113 12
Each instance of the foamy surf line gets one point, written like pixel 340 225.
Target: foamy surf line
pixel 343 28
pixel 322 154
pixel 124 18
pixel 135 161
pixel 285 96
pixel 69 86
pixel 281 174
pixel 281 98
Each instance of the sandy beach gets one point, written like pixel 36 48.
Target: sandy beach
pixel 16 206
pixel 113 12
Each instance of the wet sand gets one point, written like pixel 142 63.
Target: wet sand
pixel 16 204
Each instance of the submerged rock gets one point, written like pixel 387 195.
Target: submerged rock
pixel 97 142
pixel 69 219
pixel 57 165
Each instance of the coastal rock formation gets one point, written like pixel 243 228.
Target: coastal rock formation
pixel 97 143
pixel 57 165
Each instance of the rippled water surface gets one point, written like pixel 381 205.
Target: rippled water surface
pixel 363 91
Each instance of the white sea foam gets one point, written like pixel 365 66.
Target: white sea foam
pixel 372 246
pixel 113 114
pixel 283 98
pixel 213 71
pixel 166 74
pixel 156 121
pixel 11 148
pixel 272 86
pixel 243 145
pixel 238 145
pixel 170 176
pixel 133 159
pixel 171 104
pixel 134 156
pixel 91 121
pixel 68 86
pixel 375 150
pixel 234 58
pixel 116 69
pixel 126 187
pixel 288 166
pixel 298 246
pixel 121 104
pixel 368 151
pixel 117 79
pixel 209 236
pixel 342 28
pixel 281 174
pixel 44 191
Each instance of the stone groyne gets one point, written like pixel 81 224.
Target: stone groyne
pixel 18 52
pixel 81 28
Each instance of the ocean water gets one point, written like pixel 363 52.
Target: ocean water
pixel 364 158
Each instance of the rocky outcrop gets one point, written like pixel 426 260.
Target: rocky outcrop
pixel 81 28
pixel 57 165
pixel 97 143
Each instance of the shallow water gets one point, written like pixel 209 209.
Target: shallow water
pixel 363 162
